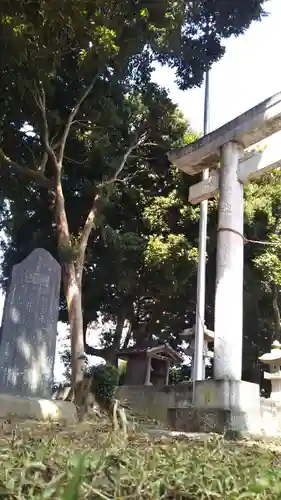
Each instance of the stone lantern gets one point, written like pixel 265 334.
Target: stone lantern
pixel 189 336
pixel 273 359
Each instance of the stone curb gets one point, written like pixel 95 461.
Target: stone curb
pixel 21 408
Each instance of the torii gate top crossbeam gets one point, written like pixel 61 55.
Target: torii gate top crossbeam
pixel 249 128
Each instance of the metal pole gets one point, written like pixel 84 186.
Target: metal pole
pixel 199 365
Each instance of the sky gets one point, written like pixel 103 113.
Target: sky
pixel 249 72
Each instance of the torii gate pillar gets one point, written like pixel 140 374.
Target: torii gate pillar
pixel 229 272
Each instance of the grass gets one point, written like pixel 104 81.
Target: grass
pixel 89 461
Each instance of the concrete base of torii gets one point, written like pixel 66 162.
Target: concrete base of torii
pixel 229 407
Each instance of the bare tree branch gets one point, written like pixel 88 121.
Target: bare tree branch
pixel 80 122
pixel 72 115
pixel 54 145
pixel 130 149
pixel 130 177
pixel 32 154
pixel 151 144
pixel 35 175
pixel 76 161
pixel 88 226
pixel 43 163
pixel 91 219
pixel 40 100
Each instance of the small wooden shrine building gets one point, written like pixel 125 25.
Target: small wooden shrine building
pixel 149 366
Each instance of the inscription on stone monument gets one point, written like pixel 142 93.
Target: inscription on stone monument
pixel 29 327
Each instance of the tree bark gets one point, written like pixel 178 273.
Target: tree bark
pixel 114 348
pixel 72 272
pixel 28 173
pixel 73 295
pixel 276 312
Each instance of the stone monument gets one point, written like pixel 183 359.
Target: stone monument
pixel 273 359
pixel 227 145
pixel 29 327
pixel 28 336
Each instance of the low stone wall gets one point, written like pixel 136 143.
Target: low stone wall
pixel 265 420
pixel 199 419
pixel 239 408
pixel 155 401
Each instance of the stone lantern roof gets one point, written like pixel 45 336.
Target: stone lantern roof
pixel 273 356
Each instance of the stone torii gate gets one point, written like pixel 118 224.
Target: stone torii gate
pixel 226 146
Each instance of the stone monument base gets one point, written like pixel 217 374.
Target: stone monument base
pixel 222 406
pixel 23 408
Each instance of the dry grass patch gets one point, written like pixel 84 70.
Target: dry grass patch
pixel 89 461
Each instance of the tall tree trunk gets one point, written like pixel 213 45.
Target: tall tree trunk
pixel 72 289
pixel 276 312
pixel 112 356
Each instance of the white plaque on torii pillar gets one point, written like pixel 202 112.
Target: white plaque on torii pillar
pixel 250 167
pixel 227 145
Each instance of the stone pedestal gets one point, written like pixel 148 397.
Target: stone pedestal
pixel 222 406
pixel 275 387
pixel 16 408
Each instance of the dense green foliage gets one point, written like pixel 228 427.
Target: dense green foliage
pixel 105 380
